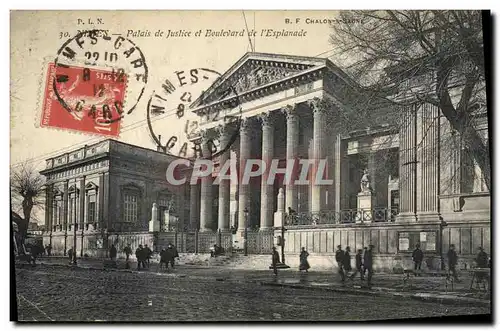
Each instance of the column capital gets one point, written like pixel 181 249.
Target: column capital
pixel 290 111
pixel 266 119
pixel 245 124
pixel 319 105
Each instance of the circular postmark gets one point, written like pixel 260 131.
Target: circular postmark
pixel 193 115
pixel 99 77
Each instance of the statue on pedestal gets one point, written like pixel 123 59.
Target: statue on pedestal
pixel 365 182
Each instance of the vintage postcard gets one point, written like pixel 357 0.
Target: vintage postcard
pixel 250 165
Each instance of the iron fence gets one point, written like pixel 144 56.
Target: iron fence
pixel 343 217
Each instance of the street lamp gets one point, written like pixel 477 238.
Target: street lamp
pixel 283 242
pixel 74 226
pixel 245 234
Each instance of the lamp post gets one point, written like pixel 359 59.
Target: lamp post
pixel 74 227
pixel 283 242
pixel 245 234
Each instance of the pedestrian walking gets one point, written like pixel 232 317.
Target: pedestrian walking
pixel 359 265
pixel 275 260
pixel 481 262
pixel 139 254
pixel 148 254
pixel 481 258
pixel 452 262
pixel 70 255
pixel 49 250
pixel 171 255
pixel 128 251
pixel 304 264
pixel 418 257
pixel 346 263
pixel 339 257
pixel 368 264
pixel 163 259
pixel 112 252
pixel 365 249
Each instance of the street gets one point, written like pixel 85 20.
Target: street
pixel 47 293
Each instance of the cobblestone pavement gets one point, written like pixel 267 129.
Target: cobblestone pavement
pixel 390 281
pixel 50 293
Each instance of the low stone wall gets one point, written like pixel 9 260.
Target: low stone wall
pixel 319 241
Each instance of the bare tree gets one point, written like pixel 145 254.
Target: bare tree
pixel 27 189
pixel 408 57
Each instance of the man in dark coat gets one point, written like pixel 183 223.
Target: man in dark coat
pixel 139 254
pixel 112 252
pixel 163 259
pixel 481 262
pixel 359 265
pixel 339 257
pixel 171 255
pixel 368 263
pixel 148 253
pixel 418 257
pixel 128 251
pixel 452 261
pixel 275 260
pixel 347 261
pixel 481 258
pixel 70 255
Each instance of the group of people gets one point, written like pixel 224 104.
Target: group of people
pixel 363 261
pixel 481 260
pixel 167 256
pixel 142 254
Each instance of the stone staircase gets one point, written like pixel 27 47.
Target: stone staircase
pixel 237 260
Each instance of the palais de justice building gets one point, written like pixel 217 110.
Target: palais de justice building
pixel 419 186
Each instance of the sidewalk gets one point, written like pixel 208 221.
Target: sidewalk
pixel 422 288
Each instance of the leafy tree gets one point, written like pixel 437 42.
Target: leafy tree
pixel 408 57
pixel 27 189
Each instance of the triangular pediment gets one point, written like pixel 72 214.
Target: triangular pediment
pixel 255 70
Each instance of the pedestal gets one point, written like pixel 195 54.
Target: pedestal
pixel 154 223
pixel 365 204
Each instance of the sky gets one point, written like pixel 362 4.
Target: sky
pixel 36 37
pixel 32 48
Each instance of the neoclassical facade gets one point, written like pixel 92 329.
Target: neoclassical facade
pixel 424 187
pixel 106 188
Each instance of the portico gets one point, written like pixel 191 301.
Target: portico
pixel 282 101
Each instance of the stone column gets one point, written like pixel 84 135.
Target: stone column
pixel 100 197
pixel 407 165
pixel 206 191
pixel 224 185
pixel 339 152
pixel 267 190
pixel 48 206
pixel 194 211
pixel 292 146
pixel 243 197
pixel 428 165
pixel 82 203
pixel 65 205
pixel 319 126
pixel 107 220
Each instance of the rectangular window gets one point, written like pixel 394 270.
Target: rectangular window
pixel 91 212
pixel 130 208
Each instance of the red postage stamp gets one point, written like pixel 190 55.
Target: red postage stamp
pixel 84 99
